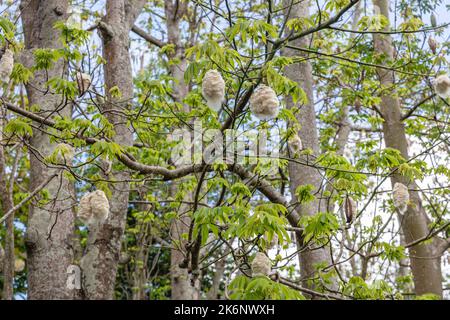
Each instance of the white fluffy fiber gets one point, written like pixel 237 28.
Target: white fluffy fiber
pixel 264 103
pixel 261 265
pixel 213 89
pixel 295 144
pixel 6 65
pixel 19 265
pixel 401 197
pixel 83 81
pixel 442 86
pixel 93 208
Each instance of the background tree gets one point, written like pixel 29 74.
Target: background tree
pixel 93 102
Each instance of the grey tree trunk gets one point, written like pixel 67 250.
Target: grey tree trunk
pixel 8 258
pixel 100 262
pixel 50 226
pixel 182 287
pixel 425 260
pixel 299 174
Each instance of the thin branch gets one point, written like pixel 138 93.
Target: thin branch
pixel 24 201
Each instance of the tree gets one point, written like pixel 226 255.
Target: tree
pixel 119 178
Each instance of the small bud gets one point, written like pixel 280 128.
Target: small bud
pixel 83 82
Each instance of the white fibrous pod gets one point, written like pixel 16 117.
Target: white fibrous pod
pixel 19 265
pixel 350 208
pixel 401 197
pixel 442 86
pixel 264 103
pixel 65 153
pixel 93 208
pixel 261 265
pixel 433 20
pixel 6 65
pixel 213 89
pixel 84 82
pixel 295 144
pixel 432 44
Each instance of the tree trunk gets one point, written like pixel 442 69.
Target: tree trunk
pixel 50 226
pixel 100 262
pixel 182 288
pixel 7 204
pixel 300 174
pixel 425 264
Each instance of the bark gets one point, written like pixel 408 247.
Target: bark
pixel 100 262
pixel 7 204
pixel 298 174
pixel 425 261
pixel 182 288
pixel 214 292
pixel 50 226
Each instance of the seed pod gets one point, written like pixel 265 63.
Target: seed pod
pixel 124 258
pixel 295 144
pixel 432 44
pixel 264 103
pixel 261 265
pixel 213 89
pixel 6 65
pixel 19 265
pixel 93 208
pixel 401 197
pixel 350 207
pixel 83 82
pixel 357 105
pixel 442 86
pixel 433 20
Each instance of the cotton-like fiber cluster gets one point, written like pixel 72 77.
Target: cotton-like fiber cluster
pixel 264 103
pixel 213 89
pixel 83 82
pixel 350 208
pixel 442 86
pixel 93 208
pixel 432 44
pixel 295 144
pixel 261 265
pixel 401 197
pixel 6 65
pixel 19 265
